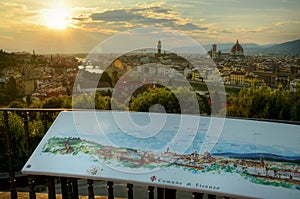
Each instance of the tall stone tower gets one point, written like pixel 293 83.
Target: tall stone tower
pixel 214 51
pixel 159 47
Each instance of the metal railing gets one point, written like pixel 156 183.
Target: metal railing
pixel 24 114
pixel 69 186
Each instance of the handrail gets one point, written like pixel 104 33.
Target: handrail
pixel 37 109
pixel 77 109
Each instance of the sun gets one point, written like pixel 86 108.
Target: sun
pixel 56 18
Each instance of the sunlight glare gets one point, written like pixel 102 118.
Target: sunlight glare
pixel 56 18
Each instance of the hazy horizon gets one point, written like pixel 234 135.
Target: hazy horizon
pixel 205 46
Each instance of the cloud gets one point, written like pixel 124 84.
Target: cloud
pixel 191 26
pixel 144 16
pixel 6 37
pixel 118 15
pixel 264 29
pixel 225 31
pixel 287 22
pixel 14 12
pixel 141 16
pixel 260 29
pixel 80 18
pixel 150 5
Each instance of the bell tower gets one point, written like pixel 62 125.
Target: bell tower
pixel 159 47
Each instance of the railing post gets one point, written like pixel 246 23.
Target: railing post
pixel 151 192
pixel 110 189
pixel 27 144
pixel 26 129
pixel 130 191
pixel 51 183
pixel 31 187
pixel 90 189
pixel 75 188
pixel 160 193
pixel 13 191
pixel 64 191
pixel 69 189
pixel 44 121
pixel 51 188
pixel 210 196
pixel 196 195
pixel 170 193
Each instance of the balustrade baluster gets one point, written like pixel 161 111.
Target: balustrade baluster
pixel 160 193
pixel 75 188
pixel 110 189
pixel 151 192
pixel 130 191
pixel 51 187
pixel 13 191
pixel 91 189
pixel 26 129
pixel 170 193
pixel 210 196
pixel 64 188
pixel 32 194
pixel 31 185
pixel 69 189
pixel 44 120
pixel 196 195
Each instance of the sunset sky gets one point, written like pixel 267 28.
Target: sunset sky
pixel 71 26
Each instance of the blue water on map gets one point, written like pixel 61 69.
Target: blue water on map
pixel 237 136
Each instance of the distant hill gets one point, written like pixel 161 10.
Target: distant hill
pixel 266 156
pixel 286 48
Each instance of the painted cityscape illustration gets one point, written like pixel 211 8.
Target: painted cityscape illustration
pixel 270 160
pixel 261 168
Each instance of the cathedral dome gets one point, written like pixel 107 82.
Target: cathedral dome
pixel 237 49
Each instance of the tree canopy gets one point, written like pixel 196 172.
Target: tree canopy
pixel 263 102
pixel 167 99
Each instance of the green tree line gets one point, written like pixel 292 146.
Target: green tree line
pixel 6 59
pixel 9 92
pixel 253 102
pixel 263 102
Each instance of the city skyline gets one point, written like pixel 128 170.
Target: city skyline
pixel 78 26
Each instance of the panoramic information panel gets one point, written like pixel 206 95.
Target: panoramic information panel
pixel 246 159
